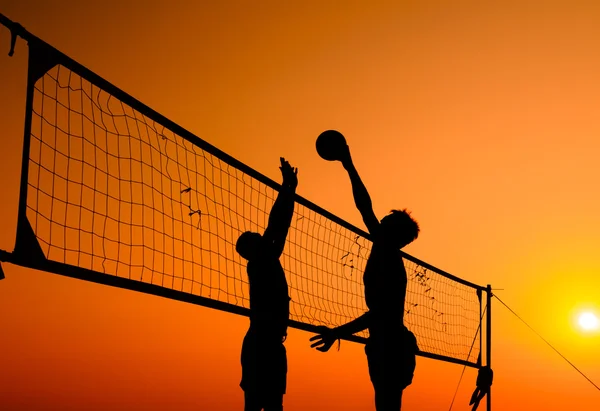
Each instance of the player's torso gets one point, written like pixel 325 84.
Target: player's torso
pixel 385 283
pixel 269 297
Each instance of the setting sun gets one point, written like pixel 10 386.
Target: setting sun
pixel 588 321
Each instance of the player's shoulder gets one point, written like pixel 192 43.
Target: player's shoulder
pixel 263 258
pixel 375 230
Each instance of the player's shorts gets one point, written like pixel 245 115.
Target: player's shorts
pixel 392 362
pixel 264 365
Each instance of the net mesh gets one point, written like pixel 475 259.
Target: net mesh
pixel 113 191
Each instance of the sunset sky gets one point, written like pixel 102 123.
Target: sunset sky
pixel 482 119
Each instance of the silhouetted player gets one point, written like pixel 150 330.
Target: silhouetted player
pixel 391 347
pixel 264 362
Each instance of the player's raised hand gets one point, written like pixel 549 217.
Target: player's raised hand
pixel 289 174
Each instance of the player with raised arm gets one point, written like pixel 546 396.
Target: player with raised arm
pixel 391 347
pixel 264 361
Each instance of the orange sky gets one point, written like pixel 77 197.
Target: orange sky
pixel 484 119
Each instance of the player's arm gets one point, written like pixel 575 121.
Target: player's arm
pixel 327 336
pixel 362 199
pixel 283 209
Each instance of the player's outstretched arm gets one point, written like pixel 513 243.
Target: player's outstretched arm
pixel 283 208
pixel 362 199
pixel 327 336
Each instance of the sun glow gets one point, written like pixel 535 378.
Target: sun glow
pixel 588 321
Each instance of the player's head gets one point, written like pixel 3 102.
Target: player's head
pixel 247 244
pixel 400 228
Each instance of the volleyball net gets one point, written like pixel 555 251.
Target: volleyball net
pixel 115 193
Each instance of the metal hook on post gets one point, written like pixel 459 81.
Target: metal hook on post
pixel 15 30
pixel 13 41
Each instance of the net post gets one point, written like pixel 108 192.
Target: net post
pixel 488 342
pixel 481 308
pixel 41 59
